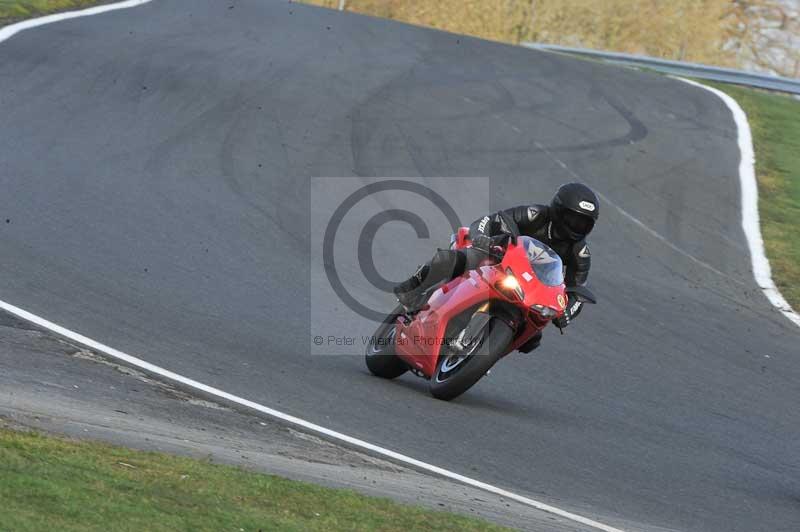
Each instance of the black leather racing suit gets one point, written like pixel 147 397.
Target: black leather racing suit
pixel 533 221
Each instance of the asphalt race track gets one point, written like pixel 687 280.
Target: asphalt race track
pixel 155 166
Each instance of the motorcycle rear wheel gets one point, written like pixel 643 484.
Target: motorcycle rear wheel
pixel 382 361
pixel 457 371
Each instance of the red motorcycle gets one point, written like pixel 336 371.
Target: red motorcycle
pixel 474 320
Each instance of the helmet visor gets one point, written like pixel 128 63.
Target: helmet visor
pixel 578 223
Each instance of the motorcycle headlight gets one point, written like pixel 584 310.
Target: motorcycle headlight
pixel 510 286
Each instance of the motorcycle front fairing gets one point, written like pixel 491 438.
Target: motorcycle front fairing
pixel 420 342
pixel 526 289
pixel 540 274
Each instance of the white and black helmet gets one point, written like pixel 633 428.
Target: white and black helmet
pixel 574 210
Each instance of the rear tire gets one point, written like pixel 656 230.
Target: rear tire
pixel 382 361
pixel 454 376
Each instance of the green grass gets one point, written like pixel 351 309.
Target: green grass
pixel 14 10
pixel 49 483
pixel 775 123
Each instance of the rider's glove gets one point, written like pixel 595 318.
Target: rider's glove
pixel 572 310
pixel 482 242
pixel 562 321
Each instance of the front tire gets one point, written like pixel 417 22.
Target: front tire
pixel 382 361
pixel 457 372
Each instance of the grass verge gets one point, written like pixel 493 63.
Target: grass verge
pixel 49 483
pixel 16 10
pixel 775 124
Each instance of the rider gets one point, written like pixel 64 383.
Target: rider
pixel 563 225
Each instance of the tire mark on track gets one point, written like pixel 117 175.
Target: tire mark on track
pixel 637 132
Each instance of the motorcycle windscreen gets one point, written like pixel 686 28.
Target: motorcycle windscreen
pixel 545 262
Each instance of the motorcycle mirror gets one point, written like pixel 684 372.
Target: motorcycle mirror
pixel 582 294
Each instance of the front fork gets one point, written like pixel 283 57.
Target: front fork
pixel 480 319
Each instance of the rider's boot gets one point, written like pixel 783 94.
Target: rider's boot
pixel 411 293
pixel 412 301
pixel 444 265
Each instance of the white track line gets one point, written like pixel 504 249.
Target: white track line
pixel 13 29
pixel 750 219
pixel 286 418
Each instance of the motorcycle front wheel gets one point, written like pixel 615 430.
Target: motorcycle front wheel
pixel 382 361
pixel 459 369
